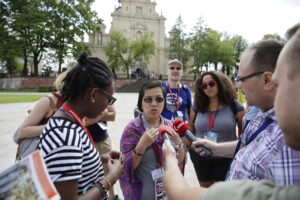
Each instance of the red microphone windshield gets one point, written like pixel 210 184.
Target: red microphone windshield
pixel 166 129
pixel 180 126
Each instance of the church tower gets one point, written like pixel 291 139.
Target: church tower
pixel 134 18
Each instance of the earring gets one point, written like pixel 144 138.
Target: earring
pixel 93 100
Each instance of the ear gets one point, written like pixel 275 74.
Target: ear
pixel 92 95
pixel 268 81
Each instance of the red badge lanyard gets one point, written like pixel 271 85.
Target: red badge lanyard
pixel 211 119
pixel 157 153
pixel 69 110
pixel 178 96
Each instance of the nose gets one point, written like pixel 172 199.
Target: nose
pixel 154 103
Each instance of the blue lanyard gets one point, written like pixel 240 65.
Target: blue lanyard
pixel 257 132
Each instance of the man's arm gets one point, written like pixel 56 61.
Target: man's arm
pixel 224 149
pixel 174 183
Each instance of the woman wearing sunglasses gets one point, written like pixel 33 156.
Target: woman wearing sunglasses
pixel 212 117
pixel 141 145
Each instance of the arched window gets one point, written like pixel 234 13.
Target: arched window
pixel 139 35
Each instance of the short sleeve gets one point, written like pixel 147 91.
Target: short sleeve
pixel 64 163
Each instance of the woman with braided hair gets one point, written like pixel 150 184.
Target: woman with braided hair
pixel 68 149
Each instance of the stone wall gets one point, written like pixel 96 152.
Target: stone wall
pixel 33 83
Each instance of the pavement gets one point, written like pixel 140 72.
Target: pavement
pixel 11 115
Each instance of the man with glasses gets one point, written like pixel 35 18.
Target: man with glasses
pixel 179 100
pixel 261 152
pixel 287 80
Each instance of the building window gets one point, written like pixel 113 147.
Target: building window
pixel 139 35
pixel 139 10
pixel 126 8
pixel 150 11
pixel 99 38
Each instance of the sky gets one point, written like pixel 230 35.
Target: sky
pixel 250 18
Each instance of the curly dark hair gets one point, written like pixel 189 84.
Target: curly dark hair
pixel 150 85
pixel 226 90
pixel 88 73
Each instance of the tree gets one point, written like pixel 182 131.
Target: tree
pixel 70 20
pixel 122 52
pixel 274 36
pixel 197 51
pixel 179 44
pixel 211 47
pixel 239 45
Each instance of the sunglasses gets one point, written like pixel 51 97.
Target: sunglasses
pixel 111 99
pixel 173 68
pixel 209 84
pixel 157 99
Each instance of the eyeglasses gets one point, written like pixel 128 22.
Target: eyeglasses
pixel 243 78
pixel 111 99
pixel 173 68
pixel 157 99
pixel 204 86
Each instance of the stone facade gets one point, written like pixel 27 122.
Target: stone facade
pixel 134 18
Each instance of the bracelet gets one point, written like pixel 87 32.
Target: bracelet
pixel 101 189
pixel 108 182
pixel 136 153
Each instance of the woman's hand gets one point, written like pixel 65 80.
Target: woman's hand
pixel 148 138
pixel 176 137
pixel 115 167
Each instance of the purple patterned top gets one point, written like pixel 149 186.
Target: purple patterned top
pixel 131 186
pixel 267 156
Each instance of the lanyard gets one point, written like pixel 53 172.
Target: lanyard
pixel 178 95
pixel 69 110
pixel 257 132
pixel 158 154
pixel 211 119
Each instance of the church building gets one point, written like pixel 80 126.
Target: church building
pixel 134 18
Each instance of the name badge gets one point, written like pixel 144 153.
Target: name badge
pixel 157 174
pixel 179 115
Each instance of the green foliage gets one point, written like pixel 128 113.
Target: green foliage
pixel 122 52
pixel 30 28
pixel 239 45
pixel 274 36
pixel 179 43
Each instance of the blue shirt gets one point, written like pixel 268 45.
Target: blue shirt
pixel 185 102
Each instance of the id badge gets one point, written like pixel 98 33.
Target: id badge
pixel 157 174
pixel 179 115
pixel 211 135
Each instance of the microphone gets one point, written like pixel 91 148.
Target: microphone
pixel 182 129
pixel 165 132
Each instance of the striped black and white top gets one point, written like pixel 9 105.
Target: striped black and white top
pixel 69 153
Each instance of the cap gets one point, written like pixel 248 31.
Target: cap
pixel 175 61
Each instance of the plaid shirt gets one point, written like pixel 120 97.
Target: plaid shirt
pixel 267 156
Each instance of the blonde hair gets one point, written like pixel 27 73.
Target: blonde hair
pixel 59 83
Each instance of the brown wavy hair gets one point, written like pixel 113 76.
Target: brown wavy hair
pixel 226 90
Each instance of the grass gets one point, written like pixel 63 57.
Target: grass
pixel 19 98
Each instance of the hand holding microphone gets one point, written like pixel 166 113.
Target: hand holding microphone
pixel 166 132
pixel 182 129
